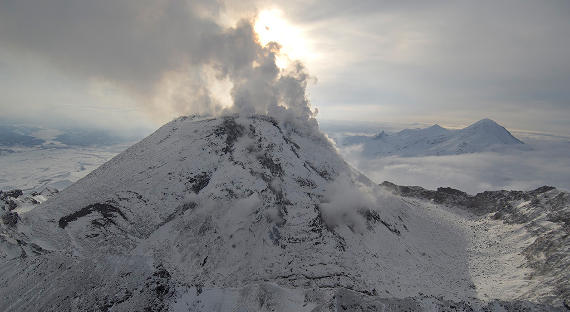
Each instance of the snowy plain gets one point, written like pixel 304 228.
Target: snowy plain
pixel 35 168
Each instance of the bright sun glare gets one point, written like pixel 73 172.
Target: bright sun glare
pixel 271 26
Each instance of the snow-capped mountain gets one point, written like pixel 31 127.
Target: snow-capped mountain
pixel 435 140
pixel 240 213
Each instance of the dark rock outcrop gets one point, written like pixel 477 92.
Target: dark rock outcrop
pixel 12 193
pixel 10 218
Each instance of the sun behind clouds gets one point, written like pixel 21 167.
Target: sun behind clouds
pixel 271 26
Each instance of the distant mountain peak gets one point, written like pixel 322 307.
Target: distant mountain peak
pixel 436 126
pixel 487 129
pixel 485 122
pixel 436 140
pixel 435 129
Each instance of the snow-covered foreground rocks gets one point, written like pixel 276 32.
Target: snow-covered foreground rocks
pixel 240 213
pixel 519 247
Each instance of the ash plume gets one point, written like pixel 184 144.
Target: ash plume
pixel 166 54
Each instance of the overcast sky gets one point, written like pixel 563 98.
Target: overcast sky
pixel 132 63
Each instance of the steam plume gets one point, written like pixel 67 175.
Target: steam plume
pixel 167 54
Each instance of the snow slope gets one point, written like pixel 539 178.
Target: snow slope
pixel 239 213
pixel 435 140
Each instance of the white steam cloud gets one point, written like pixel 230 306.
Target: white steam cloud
pixel 345 201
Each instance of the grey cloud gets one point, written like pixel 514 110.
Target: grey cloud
pixel 444 58
pixel 129 41
pixel 137 44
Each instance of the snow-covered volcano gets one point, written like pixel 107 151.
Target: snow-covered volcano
pixel 481 136
pixel 239 213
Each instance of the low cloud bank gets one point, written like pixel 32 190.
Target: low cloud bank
pixel 547 164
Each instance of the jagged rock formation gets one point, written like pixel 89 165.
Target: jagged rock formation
pixel 12 204
pixel 13 201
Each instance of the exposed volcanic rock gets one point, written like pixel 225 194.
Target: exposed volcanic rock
pixel 13 193
pixel 10 218
pixel 12 199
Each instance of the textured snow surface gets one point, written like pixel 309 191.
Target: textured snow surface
pixel 483 135
pixel 235 214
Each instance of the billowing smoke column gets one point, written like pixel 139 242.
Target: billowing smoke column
pixel 165 53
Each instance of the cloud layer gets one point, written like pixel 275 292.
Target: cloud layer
pixel 546 164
